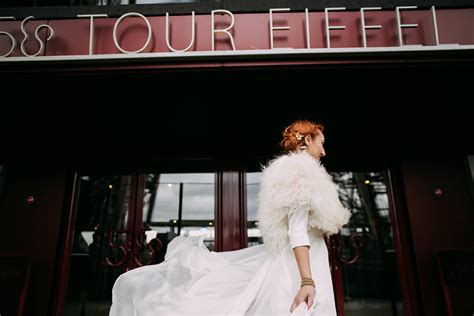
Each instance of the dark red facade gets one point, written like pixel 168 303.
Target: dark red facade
pixel 401 112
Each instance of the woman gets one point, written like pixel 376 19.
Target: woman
pixel 286 275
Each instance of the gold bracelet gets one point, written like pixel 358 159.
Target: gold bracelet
pixel 307 281
pixel 310 284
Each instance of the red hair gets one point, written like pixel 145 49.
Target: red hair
pixel 290 141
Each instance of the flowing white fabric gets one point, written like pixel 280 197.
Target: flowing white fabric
pixel 251 281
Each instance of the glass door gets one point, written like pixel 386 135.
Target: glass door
pixel 176 204
pixel 363 257
pixel 102 246
pixel 125 221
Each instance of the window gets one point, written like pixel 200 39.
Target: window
pixel 2 180
pixel 470 172
pixel 115 232
pixel 253 186
pixel 180 204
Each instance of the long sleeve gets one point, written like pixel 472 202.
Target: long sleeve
pixel 298 229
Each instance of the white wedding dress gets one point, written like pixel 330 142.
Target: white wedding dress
pixel 195 281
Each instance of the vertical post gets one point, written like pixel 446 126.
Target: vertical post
pixel 231 218
pixel 403 242
pixel 180 208
pixel 336 272
pixel 65 241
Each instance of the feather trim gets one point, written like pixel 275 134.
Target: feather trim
pixel 297 182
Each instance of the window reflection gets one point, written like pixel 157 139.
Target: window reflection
pixel 112 234
pixel 103 206
pixel 371 283
pixel 253 186
pixel 470 173
pixel 179 204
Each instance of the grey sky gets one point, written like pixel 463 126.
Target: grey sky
pixel 198 196
pixel 253 185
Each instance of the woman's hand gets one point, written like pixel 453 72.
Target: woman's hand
pixel 305 294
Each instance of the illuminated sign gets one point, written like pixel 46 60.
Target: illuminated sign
pixel 222 33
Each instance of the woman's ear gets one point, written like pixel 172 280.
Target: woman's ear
pixel 307 140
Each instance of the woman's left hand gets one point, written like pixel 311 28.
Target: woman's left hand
pixel 305 294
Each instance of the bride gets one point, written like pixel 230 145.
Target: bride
pixel 288 274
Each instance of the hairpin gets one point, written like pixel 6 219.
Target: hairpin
pixel 299 136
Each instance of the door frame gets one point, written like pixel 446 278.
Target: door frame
pixel 230 218
pixel 231 230
pixel 403 248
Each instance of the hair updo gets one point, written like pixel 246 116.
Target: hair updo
pixel 295 133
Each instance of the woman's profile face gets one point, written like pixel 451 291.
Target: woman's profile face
pixel 316 145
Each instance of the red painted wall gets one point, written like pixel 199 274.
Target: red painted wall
pixel 437 224
pixel 33 228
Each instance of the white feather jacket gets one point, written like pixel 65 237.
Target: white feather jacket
pixel 297 182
